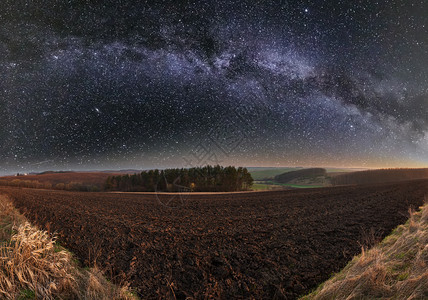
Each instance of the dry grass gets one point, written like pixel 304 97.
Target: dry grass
pixel 397 268
pixel 32 266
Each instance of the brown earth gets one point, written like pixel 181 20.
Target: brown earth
pixel 277 244
pixel 88 178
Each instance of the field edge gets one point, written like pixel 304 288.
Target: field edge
pixel 33 265
pixel 396 268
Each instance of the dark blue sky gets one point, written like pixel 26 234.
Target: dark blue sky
pixel 121 84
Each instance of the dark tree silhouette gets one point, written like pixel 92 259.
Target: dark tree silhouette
pixel 207 178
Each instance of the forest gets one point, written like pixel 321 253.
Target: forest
pixel 197 179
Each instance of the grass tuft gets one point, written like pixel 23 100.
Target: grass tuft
pixel 397 268
pixel 33 266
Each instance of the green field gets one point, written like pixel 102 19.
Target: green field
pixel 264 178
pixel 299 186
pixel 271 185
pixel 263 187
pixel 267 173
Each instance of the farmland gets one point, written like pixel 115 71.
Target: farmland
pixel 270 178
pixel 269 173
pixel 256 244
pixel 60 180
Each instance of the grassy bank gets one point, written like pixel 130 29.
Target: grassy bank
pixel 33 266
pixel 397 268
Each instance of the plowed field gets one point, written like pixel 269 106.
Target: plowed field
pixel 245 245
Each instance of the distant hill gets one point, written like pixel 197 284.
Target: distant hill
pixel 124 171
pixel 379 176
pixel 288 176
pixel 52 179
pixel 269 173
pixel 51 172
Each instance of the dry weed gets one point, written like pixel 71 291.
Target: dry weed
pixel 394 269
pixel 32 266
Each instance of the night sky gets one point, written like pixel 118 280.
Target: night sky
pixel 130 84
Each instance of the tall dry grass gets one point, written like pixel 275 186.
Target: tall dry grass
pixel 33 266
pixel 397 268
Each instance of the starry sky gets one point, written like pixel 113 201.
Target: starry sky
pixel 134 84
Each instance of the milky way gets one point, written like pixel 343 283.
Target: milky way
pixel 116 84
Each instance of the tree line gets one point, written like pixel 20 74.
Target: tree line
pixel 198 179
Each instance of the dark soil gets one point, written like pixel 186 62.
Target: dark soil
pixel 251 245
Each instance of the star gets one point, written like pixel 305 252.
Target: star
pixel 145 84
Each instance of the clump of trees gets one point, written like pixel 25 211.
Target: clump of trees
pixel 305 173
pixel 379 176
pixel 201 179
